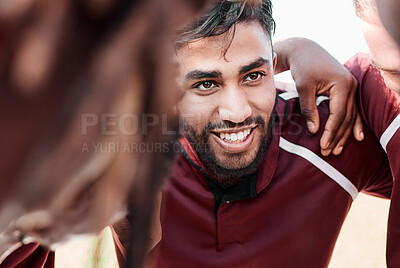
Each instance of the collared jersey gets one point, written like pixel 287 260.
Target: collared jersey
pixel 288 214
pixel 380 108
pixel 31 255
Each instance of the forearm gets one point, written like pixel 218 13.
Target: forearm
pixel 296 52
pixel 283 49
pixel 316 72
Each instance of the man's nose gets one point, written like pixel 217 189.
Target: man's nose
pixel 234 105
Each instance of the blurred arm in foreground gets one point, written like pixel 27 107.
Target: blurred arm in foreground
pixel 83 85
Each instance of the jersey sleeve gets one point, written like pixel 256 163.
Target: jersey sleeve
pixel 30 256
pixel 381 183
pixel 379 107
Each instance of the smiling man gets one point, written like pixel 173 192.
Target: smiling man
pixel 229 100
pixel 251 188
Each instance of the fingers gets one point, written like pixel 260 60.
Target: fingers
pixel 339 126
pixel 334 141
pixel 358 128
pixel 342 138
pixel 343 115
pixel 333 132
pixel 338 139
pixel 357 132
pixel 309 109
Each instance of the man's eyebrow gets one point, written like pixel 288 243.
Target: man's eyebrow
pixel 379 67
pixel 258 63
pixel 198 74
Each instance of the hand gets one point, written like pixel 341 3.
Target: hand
pixel 316 72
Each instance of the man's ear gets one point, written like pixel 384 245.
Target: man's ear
pixel 275 60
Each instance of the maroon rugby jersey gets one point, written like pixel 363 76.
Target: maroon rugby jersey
pixel 288 214
pixel 29 256
pixel 291 230
pixel 380 108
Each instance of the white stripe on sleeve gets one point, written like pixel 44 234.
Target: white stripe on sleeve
pixel 289 95
pixel 321 164
pixel 389 132
pixel 321 99
pixel 294 94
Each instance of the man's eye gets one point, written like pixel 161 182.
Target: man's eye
pixel 253 76
pixel 206 85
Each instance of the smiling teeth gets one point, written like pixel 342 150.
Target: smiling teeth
pixel 232 137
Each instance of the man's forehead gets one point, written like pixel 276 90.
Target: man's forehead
pixel 249 44
pixel 237 35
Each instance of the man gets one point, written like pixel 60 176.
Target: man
pixel 380 109
pixel 70 94
pixel 385 56
pixel 378 77
pixel 44 212
pixel 251 188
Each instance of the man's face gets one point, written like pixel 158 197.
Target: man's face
pixel 228 101
pixel 384 51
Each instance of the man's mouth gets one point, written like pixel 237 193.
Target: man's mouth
pixel 235 140
pixel 234 137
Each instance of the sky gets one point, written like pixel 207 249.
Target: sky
pixel 331 23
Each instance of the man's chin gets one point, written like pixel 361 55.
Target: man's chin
pixel 230 167
pixel 236 161
pixel 232 173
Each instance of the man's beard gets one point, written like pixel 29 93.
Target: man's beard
pixel 199 142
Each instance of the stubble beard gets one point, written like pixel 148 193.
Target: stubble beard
pixel 199 142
